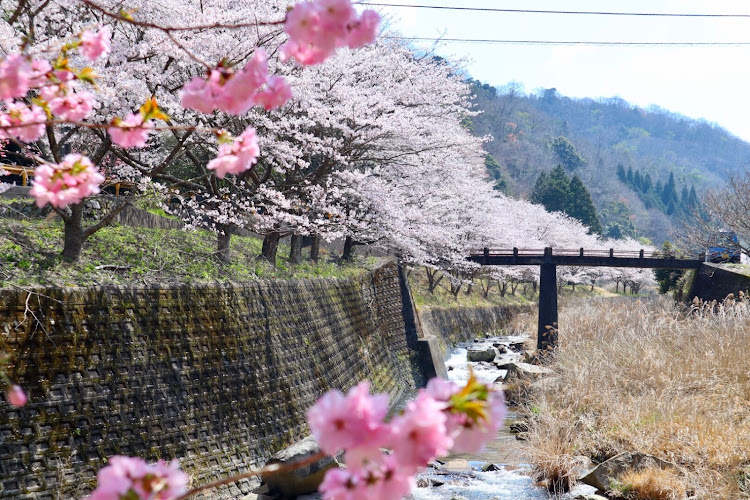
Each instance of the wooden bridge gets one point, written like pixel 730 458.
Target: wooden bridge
pixel 549 258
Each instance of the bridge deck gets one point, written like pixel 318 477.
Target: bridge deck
pixel 580 257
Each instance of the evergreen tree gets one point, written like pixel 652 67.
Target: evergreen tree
pixel 671 207
pixel 637 181
pixel 566 153
pixel 558 190
pixel 540 186
pixel 693 197
pixel 658 188
pixel 684 195
pixel 581 207
pixel 629 176
pixel 552 190
pixel 621 173
pixel 647 184
pixel 668 278
pixel 669 194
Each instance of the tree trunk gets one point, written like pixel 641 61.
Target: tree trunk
pixel 270 247
pixel 433 280
pixel 513 286
pixel 315 248
pixel 503 288
pixel 223 251
pixel 74 234
pixel 348 253
pixel 295 249
pixel 455 289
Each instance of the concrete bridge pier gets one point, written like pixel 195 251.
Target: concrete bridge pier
pixel 547 330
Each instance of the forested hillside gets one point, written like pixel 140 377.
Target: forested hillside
pixel 644 168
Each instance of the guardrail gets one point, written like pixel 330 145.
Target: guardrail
pixel 578 252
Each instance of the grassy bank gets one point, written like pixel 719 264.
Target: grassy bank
pixel 442 296
pixel 30 255
pixel 643 375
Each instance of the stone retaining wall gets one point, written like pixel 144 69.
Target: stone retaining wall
pixel 716 281
pixel 219 376
pixel 455 324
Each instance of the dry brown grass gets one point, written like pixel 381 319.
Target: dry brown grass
pixel 644 375
pixel 653 484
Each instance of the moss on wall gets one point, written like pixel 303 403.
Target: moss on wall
pixel 219 376
pixel 455 324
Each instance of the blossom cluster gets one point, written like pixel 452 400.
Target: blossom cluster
pixel 316 29
pixel 381 457
pixel 133 478
pixel 444 417
pixel 56 85
pixel 236 156
pixel 66 183
pixel 235 92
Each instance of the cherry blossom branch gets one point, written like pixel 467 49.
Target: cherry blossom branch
pixel 268 470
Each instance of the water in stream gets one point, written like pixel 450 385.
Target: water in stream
pixel 464 477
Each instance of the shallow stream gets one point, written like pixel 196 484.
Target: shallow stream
pixel 461 475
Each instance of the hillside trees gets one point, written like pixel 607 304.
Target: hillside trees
pixel 559 193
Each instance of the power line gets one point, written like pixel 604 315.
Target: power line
pixel 567 42
pixel 574 12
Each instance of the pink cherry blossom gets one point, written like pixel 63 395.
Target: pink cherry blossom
pixel 200 93
pixel 15 75
pixel 334 15
pixel 344 422
pixel 306 53
pixel 238 93
pixel 130 132
pixel 16 396
pixel 40 69
pixel 237 156
pixel 339 484
pixel 132 477
pixel 382 479
pixel 472 436
pixel 316 28
pixel 65 184
pixel 364 30
pixel 95 44
pixel 303 23
pixel 23 122
pixel 73 106
pixel 276 93
pixel 420 434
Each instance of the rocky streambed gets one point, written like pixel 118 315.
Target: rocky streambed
pixel 502 470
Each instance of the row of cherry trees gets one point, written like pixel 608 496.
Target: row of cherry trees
pixel 229 108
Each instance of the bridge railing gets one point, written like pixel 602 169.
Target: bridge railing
pixel 576 252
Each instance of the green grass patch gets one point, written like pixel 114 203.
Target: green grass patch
pixel 30 256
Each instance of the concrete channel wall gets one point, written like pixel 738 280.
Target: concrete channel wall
pixel 219 376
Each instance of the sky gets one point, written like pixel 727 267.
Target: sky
pixel 708 82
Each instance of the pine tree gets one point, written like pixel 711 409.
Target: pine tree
pixel 629 176
pixel 580 205
pixel 540 186
pixel 669 194
pixel 558 190
pixel 621 173
pixel 647 184
pixel 637 181
pixel 552 190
